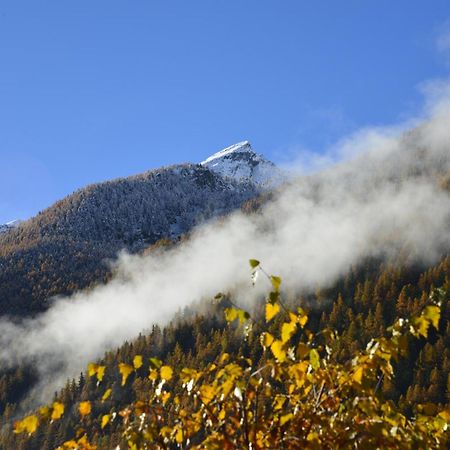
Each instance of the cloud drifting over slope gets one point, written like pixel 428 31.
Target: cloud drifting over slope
pixel 381 197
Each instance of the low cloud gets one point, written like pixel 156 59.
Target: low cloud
pixel 378 195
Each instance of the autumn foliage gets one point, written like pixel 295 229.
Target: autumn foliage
pixel 299 395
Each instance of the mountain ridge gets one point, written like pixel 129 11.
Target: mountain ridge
pixel 66 247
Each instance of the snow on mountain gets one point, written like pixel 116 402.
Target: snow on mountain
pixel 241 163
pixel 83 230
pixel 8 225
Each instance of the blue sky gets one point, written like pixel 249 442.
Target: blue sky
pixel 92 90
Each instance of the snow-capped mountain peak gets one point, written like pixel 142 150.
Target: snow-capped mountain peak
pixel 240 162
pixel 240 147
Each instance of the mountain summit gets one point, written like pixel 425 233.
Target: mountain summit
pixel 241 163
pixel 78 233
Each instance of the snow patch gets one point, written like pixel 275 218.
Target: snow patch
pixel 8 225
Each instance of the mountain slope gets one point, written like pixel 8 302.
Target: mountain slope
pixel 198 339
pixel 63 248
pixel 361 304
pixel 162 202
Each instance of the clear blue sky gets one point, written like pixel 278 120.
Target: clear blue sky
pixel 96 89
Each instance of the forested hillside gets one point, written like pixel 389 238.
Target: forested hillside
pixel 165 286
pixel 364 304
pixel 361 245
pixel 66 247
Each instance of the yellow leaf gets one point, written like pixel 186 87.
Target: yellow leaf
pixel 226 387
pixel 68 445
pixel 95 369
pixel 302 317
pixel 153 374
pixel 44 411
pixel 272 310
pixel 84 408
pixel 164 397
pixel 254 263
pixel 137 361
pixel 243 315
pixel 287 330
pixel 421 325
pixel 207 393
pixel 286 418
pixel 92 369
pixel 155 362
pixel 105 420
pixel 277 350
pixel 166 372
pixel 100 372
pixel 106 394
pixel 276 282
pixel 234 370
pixel 266 339
pixel 279 402
pixel 314 359
pixel 303 320
pixel 186 375
pixel 313 437
pixel 125 370
pixel 230 314
pixel 165 431
pixel 357 376
pixel 179 436
pixel 28 424
pixel 298 372
pixel 58 410
pixel 83 443
pixel 433 314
